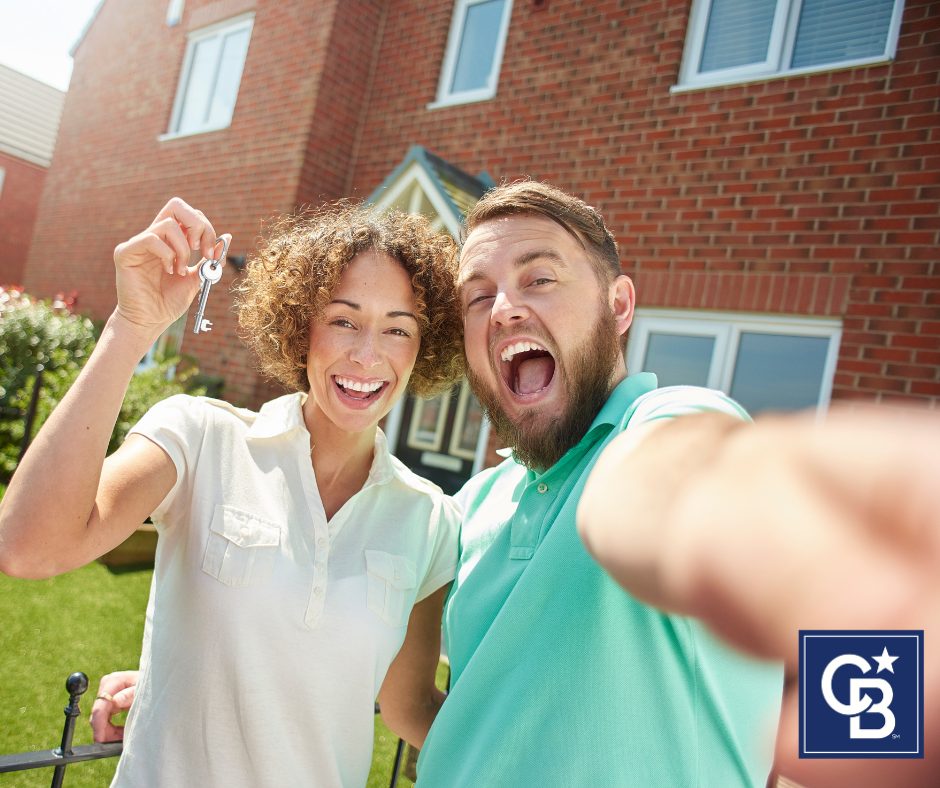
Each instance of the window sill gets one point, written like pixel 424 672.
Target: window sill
pixel 703 84
pixel 456 101
pixel 175 135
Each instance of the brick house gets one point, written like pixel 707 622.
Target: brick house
pixel 29 119
pixel 771 170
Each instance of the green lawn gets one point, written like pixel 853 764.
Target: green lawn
pixel 89 620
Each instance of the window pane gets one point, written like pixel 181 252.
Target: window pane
pixel 778 372
pixel 230 75
pixel 199 85
pixel 477 46
pixel 831 31
pixel 679 359
pixel 737 34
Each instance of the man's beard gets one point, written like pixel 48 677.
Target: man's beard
pixel 588 383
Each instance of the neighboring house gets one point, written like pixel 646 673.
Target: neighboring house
pixel 771 169
pixel 29 119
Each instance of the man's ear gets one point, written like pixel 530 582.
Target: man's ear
pixel 622 299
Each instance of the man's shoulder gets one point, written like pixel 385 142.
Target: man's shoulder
pixel 671 401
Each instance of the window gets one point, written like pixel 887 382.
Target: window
pixel 764 363
pixel 174 12
pixel 736 40
pixel 3 175
pixel 474 51
pixel 167 346
pixel 211 74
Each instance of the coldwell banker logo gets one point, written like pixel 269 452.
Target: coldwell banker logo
pixel 861 694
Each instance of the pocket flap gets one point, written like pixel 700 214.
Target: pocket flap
pixel 396 570
pixel 244 529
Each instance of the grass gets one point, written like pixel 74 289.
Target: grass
pixel 90 620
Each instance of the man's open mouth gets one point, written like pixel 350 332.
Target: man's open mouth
pixel 358 390
pixel 527 367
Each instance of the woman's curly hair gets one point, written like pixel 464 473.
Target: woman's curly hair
pixel 291 278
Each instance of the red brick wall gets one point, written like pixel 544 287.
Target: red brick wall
pixel 19 202
pixel 810 195
pixel 813 195
pixel 111 172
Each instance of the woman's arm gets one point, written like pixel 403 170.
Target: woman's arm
pixel 409 699
pixel 66 504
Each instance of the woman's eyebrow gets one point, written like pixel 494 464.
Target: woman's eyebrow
pixel 358 308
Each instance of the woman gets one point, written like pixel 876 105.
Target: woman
pixel 292 546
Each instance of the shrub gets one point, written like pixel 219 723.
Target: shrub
pixel 35 332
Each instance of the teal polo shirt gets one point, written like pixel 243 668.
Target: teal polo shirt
pixel 558 676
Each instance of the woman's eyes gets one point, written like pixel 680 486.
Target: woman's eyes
pixel 342 322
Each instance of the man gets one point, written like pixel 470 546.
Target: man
pixel 558 677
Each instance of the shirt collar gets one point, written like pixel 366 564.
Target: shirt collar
pixel 622 397
pixel 610 414
pixel 285 414
pixel 279 416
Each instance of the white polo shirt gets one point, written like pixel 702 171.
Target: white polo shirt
pixel 269 630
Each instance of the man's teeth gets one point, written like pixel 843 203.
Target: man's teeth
pixel 519 347
pixel 355 385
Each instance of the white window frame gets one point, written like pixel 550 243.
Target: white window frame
pixel 173 335
pixel 243 21
pixel 726 328
pixel 419 439
pixel 174 12
pixel 445 97
pixel 779 49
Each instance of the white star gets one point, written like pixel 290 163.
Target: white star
pixel 885 661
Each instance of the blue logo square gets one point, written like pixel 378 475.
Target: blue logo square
pixel 861 694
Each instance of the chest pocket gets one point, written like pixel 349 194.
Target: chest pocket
pixel 392 583
pixel 242 547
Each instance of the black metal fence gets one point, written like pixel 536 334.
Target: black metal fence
pixel 60 757
pixel 65 753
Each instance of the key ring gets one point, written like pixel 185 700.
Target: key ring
pixel 225 239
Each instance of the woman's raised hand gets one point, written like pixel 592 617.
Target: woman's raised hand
pixel 155 284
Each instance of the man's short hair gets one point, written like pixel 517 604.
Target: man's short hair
pixel 574 215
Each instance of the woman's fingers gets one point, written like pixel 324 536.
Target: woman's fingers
pixel 170 232
pixel 196 227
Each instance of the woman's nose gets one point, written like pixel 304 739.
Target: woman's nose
pixel 365 353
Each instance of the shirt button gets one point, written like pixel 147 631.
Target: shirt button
pixel 542 488
pixel 321 542
pixel 243 533
pixel 318 591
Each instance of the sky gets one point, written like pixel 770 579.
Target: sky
pixel 37 35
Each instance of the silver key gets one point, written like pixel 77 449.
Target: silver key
pixel 210 272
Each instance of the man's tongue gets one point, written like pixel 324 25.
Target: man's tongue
pixel 534 374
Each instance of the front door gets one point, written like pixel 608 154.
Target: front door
pixel 438 438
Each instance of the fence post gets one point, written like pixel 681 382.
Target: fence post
pixel 76 684
pixel 31 416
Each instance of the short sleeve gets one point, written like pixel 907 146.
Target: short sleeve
pixel 672 401
pixel 176 425
pixel 445 532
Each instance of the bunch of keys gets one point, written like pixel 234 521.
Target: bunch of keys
pixel 210 272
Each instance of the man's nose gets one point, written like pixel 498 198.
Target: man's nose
pixel 507 309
